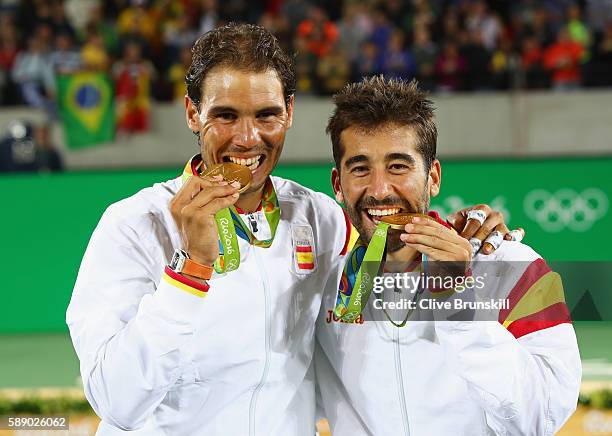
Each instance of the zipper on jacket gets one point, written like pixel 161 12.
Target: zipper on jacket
pixel 253 223
pixel 264 375
pixel 400 378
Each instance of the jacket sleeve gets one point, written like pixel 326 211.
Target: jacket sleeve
pixel 131 329
pixel 524 369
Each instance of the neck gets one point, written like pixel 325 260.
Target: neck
pixel 249 201
pixel 399 260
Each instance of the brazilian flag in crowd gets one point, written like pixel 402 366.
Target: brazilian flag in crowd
pixel 86 108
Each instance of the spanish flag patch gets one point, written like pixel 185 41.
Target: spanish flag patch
pixel 303 249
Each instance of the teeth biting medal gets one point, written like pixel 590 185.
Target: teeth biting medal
pixel 399 220
pixel 230 225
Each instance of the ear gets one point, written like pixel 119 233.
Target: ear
pixel 335 181
pixel 435 178
pixel 290 111
pixel 192 115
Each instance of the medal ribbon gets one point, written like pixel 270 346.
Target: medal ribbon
pixel 362 265
pixel 230 225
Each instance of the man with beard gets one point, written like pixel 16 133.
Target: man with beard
pixel 514 371
pixel 181 332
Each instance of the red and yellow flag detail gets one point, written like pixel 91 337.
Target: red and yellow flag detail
pixel 536 302
pixel 305 258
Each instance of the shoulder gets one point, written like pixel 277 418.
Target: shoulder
pixel 288 190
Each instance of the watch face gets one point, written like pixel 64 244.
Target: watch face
pixel 174 261
pixel 176 264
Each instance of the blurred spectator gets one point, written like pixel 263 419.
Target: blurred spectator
pixel 397 62
pixel 395 11
pixel 578 31
pixel 106 29
pixel 93 54
pixel 381 30
pixel 180 33
pixel 318 32
pixel 47 157
pixel 425 53
pixel 8 53
pixel 27 148
pixel 368 63
pixel 177 73
pixel 563 60
pixel 532 56
pixel 353 29
pixel 305 66
pixel 279 26
pixel 450 68
pixel 478 61
pixel 333 71
pixel 481 21
pixel 296 11
pixel 65 59
pixel 503 64
pixel 136 21
pixel 600 72
pixel 59 22
pixel 209 17
pixel 132 76
pixel 33 72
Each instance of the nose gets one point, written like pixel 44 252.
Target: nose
pixel 380 186
pixel 247 133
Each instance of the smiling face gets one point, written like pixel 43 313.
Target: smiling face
pixel 382 173
pixel 242 119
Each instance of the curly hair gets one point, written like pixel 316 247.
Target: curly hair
pixel 242 46
pixel 376 102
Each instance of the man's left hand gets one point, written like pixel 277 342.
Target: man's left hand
pixel 472 229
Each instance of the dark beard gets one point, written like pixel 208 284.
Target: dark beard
pixel 394 243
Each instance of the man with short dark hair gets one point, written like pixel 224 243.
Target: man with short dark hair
pixel 511 367
pixel 159 353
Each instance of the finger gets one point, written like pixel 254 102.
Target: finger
pixel 188 191
pixel 515 235
pixel 457 220
pixel 218 204
pixel 433 242
pixel 435 230
pixel 472 225
pixel 492 242
pixel 435 254
pixel 211 193
pixel 493 220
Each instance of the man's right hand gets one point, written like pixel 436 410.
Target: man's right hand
pixel 193 209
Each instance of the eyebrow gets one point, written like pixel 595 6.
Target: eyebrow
pixel 276 110
pixel 216 110
pixel 355 159
pixel 401 156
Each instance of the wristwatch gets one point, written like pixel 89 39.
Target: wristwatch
pixel 182 264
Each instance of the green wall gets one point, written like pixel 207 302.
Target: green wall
pixel 46 220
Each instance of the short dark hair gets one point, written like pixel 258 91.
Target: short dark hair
pixel 242 46
pixel 376 102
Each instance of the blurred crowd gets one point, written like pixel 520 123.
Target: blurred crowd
pixel 448 45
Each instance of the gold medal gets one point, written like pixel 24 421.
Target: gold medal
pixel 231 172
pixel 399 220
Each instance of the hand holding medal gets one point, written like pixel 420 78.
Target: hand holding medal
pixel 194 209
pixel 423 233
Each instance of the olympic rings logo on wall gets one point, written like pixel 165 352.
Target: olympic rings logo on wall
pixel 566 208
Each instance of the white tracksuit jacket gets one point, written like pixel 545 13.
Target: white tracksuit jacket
pixel 159 361
pixel 434 378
